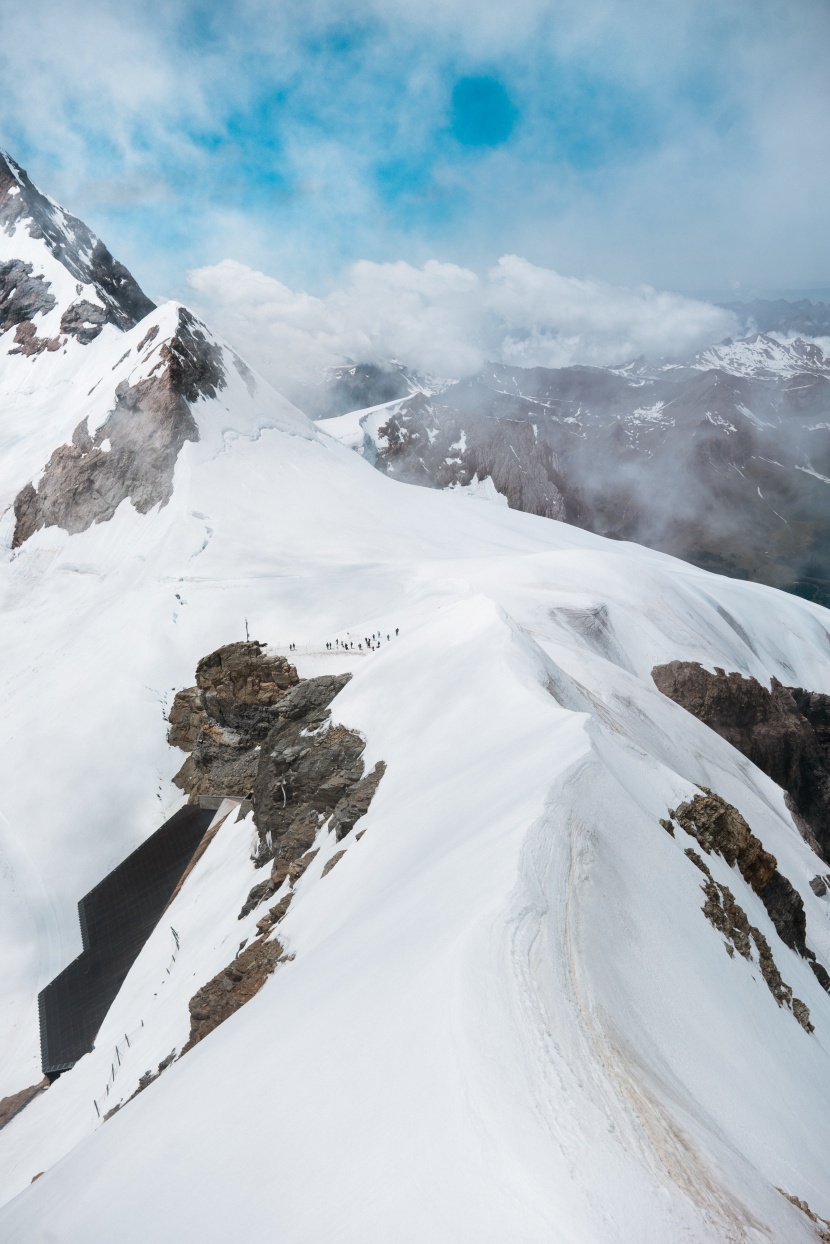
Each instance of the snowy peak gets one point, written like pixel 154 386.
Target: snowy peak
pixel 35 232
pixel 100 389
pixel 764 357
pixel 165 382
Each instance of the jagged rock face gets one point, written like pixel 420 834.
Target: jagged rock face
pixel 22 205
pixel 719 827
pixel 251 721
pixel 721 908
pixel 427 443
pixel 771 728
pixel 133 453
pixel 222 720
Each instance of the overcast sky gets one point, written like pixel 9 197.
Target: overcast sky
pixel 682 145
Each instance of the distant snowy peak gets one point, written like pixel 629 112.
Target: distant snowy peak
pixel 763 357
pixel 52 265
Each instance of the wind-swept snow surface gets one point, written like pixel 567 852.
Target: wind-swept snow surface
pixel 506 1017
pixel 499 1011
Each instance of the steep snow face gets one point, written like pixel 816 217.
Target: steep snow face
pixel 507 1016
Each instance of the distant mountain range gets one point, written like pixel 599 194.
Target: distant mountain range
pixel 722 459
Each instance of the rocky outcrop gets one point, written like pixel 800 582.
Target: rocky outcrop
pixel 253 728
pixel 22 295
pixel 822 1224
pixel 785 731
pixel 83 320
pixel 27 341
pixel 231 988
pixel 133 453
pixel 223 719
pixel 719 827
pixel 431 444
pixel 10 1106
pixel 23 206
pixel 724 914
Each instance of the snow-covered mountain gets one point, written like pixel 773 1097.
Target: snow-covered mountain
pixel 560 974
pixel 723 459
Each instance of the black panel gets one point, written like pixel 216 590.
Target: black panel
pixel 116 917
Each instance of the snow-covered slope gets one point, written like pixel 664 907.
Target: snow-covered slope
pixel 506 1016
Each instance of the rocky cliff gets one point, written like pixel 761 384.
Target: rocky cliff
pixel 783 730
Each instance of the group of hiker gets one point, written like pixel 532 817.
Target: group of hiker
pixel 371 642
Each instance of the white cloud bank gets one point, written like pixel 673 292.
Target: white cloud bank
pixel 447 320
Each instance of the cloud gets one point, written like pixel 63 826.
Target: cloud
pixel 686 143
pixel 447 320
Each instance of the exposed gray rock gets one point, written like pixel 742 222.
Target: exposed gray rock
pixel 85 482
pixel 723 470
pixel 22 296
pixel 310 698
pixel 330 863
pixel 231 988
pixel 355 804
pixel 83 320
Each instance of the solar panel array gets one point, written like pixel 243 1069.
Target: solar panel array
pixel 117 916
